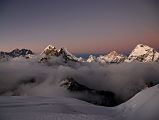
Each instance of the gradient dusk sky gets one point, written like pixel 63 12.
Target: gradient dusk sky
pixel 82 26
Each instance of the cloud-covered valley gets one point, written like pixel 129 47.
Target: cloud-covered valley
pixel 29 78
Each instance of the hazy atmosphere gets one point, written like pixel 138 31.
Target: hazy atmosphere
pixel 82 26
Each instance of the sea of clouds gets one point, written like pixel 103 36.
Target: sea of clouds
pixel 125 79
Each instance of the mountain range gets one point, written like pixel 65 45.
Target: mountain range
pixel 141 53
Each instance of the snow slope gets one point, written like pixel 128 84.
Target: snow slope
pixel 143 106
pixel 43 108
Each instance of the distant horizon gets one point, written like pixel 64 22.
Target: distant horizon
pixel 85 55
pixel 98 52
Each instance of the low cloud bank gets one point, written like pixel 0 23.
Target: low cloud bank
pixel 20 77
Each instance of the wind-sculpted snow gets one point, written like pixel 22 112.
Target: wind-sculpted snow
pixel 143 106
pixel 25 77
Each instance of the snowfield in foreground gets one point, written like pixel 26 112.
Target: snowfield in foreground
pixel 143 106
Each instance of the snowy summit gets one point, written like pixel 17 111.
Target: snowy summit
pixel 143 53
pixel 49 50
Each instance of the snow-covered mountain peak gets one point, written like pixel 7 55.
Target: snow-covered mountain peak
pixel 62 54
pixel 141 49
pixel 49 50
pixel 143 53
pixel 112 57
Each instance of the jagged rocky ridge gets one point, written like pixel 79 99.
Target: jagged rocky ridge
pixel 104 98
pixel 112 57
pixel 16 53
pixel 51 51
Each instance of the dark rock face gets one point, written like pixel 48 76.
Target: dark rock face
pixel 43 60
pixel 72 85
pixel 66 56
pixel 16 53
pixel 104 98
pixel 2 54
pixel 22 52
